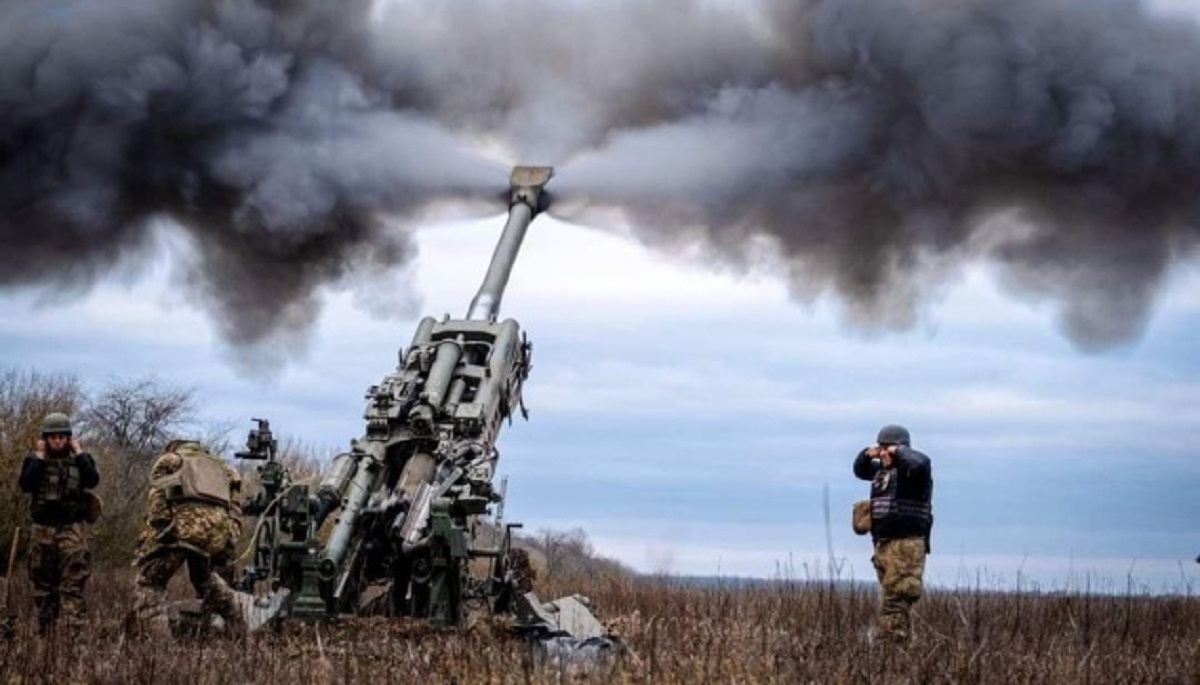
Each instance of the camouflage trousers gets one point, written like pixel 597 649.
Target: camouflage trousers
pixel 156 567
pixel 900 565
pixel 60 563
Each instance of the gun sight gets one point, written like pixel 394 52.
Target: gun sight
pixel 260 443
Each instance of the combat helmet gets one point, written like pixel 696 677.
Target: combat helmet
pixel 893 434
pixel 56 423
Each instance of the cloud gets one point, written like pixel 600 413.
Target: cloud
pixel 712 412
pixel 866 153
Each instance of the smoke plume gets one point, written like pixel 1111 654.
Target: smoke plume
pixel 873 147
pixel 1057 139
pixel 247 125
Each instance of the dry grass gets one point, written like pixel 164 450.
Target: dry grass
pixel 781 633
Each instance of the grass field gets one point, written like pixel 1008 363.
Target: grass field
pixel 771 633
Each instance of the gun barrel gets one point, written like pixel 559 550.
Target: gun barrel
pixel 334 485
pixel 527 183
pixel 358 491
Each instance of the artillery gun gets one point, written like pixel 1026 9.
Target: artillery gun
pixel 409 497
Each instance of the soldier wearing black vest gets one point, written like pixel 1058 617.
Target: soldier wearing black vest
pixel 901 520
pixel 58 476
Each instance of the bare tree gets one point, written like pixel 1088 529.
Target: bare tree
pixel 126 425
pixel 302 458
pixel 136 418
pixel 217 436
pixel 566 552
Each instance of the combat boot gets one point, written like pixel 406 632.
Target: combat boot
pixel 243 613
pixel 148 616
pixel 258 612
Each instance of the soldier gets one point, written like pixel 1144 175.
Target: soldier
pixel 901 519
pixel 58 475
pixel 194 518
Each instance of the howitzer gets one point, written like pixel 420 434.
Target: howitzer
pixel 408 498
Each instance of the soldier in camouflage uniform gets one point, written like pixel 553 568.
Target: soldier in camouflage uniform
pixel 58 475
pixel 194 519
pixel 901 519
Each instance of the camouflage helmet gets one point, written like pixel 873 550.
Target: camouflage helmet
pixel 893 434
pixel 174 445
pixel 56 423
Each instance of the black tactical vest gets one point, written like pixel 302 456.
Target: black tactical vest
pixel 59 497
pixel 901 504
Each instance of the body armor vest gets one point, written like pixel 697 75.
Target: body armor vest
pixel 201 478
pixel 59 497
pixel 902 508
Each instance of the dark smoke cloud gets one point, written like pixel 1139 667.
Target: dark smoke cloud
pixel 249 126
pixel 871 147
pixel 1056 138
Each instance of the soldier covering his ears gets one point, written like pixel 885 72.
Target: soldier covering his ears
pixel 901 520
pixel 59 475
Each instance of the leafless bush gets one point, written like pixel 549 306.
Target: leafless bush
pixel 125 425
pixel 568 554
pixel 132 420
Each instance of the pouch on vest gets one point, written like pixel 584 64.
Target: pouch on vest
pixel 61 482
pixel 200 479
pixel 93 506
pixel 51 491
pixel 861 521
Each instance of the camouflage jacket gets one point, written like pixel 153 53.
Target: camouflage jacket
pixel 203 526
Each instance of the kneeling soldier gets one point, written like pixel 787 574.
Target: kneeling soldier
pixel 194 519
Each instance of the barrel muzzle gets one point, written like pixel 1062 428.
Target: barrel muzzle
pixel 527 183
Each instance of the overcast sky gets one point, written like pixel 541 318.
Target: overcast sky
pixel 689 419
pixel 686 412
